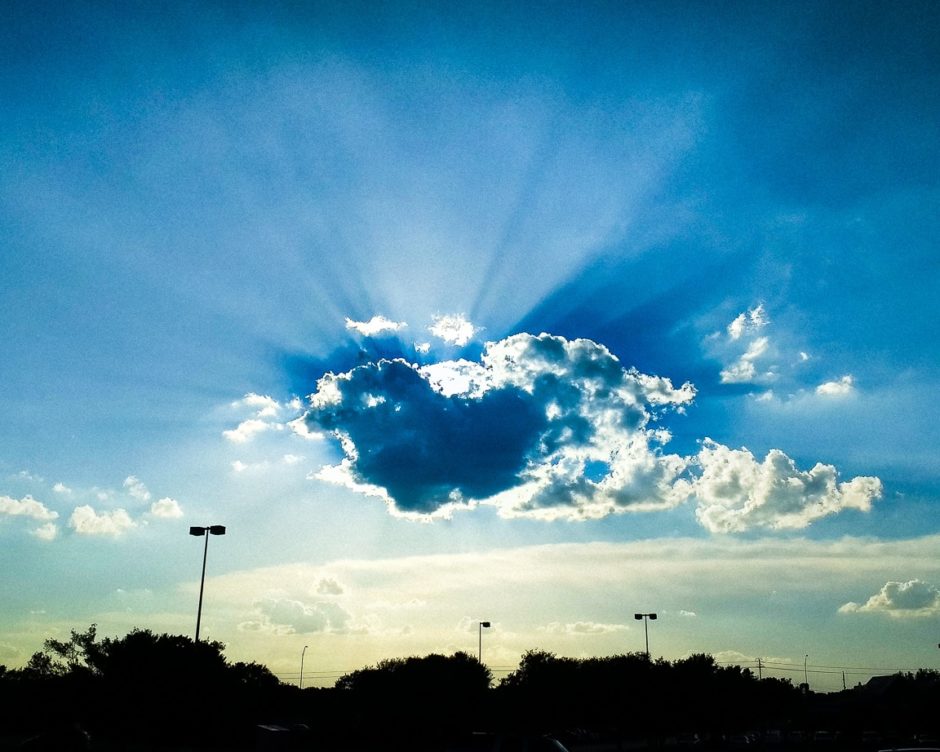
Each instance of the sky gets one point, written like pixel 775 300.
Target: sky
pixel 541 314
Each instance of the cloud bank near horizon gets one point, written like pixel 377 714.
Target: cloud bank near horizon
pixel 550 428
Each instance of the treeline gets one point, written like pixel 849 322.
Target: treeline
pixel 159 691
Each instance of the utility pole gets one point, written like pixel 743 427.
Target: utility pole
pixel 760 673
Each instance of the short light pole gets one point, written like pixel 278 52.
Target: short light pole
pixel 486 625
pixel 302 652
pixel 206 531
pixel 646 630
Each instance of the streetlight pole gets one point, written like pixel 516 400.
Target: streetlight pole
pixel 646 631
pixel 483 624
pixel 206 531
pixel 302 666
pixel 805 677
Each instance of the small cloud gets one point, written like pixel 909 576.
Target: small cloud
pixel 263 405
pixel 135 487
pixel 423 347
pixel 377 325
pixel 329 586
pixel 288 616
pixel 688 614
pixel 744 370
pixel 46 532
pixel 292 459
pixel 840 388
pixel 265 411
pixel 913 598
pixel 86 521
pixel 26 507
pixel 61 488
pixel 749 321
pixel 455 329
pixel 247 430
pixel 804 356
pixel 166 508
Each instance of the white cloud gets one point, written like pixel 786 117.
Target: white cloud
pixel 86 521
pixel 454 329
pixel 26 507
pixel 751 320
pixel 735 492
pixel 913 598
pixel 744 370
pixel 423 347
pixel 263 405
pixel 839 388
pixel 61 488
pixel 264 413
pixel 375 326
pixel 166 508
pixel 247 430
pixel 136 488
pixel 46 532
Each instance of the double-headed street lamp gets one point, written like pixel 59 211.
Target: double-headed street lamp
pixel 483 624
pixel 206 531
pixel 645 618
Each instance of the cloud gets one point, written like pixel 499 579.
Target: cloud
pixel 583 628
pixel 135 487
pixel 61 488
pixel 744 370
pixel 735 492
pixel 913 598
pixel 839 388
pixel 288 616
pixel 376 326
pixel 86 521
pixel 166 508
pixel 329 586
pixel 540 426
pixel 46 532
pixel 26 507
pixel 455 329
pixel 751 320
pixel 264 413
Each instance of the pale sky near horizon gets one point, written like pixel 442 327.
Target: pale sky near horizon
pixel 536 313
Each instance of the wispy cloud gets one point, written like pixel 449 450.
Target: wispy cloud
pixel 376 326
pixel 136 488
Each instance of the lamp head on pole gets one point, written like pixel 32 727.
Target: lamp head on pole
pixel 485 624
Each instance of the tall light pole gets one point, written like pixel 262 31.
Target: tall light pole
pixel 206 531
pixel 483 624
pixel 302 666
pixel 646 630
pixel 805 677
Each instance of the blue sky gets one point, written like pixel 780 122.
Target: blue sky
pixel 541 314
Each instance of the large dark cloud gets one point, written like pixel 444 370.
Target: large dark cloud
pixel 541 425
pixel 426 448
